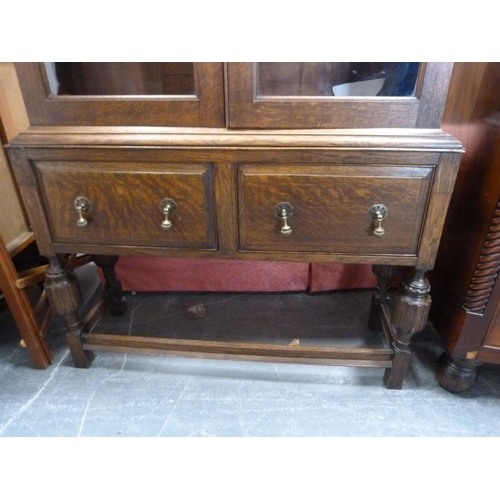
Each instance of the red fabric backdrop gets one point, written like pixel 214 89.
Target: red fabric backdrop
pixel 142 274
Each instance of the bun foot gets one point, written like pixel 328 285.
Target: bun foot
pixel 456 375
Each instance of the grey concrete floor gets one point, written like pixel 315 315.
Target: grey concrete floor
pixel 139 395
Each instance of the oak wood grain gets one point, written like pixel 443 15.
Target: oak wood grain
pixel 331 207
pixel 125 202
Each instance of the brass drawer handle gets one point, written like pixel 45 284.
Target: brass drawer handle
pixel 83 208
pixel 167 207
pixel 378 213
pixel 284 211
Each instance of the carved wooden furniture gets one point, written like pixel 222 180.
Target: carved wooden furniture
pixel 465 284
pixel 242 170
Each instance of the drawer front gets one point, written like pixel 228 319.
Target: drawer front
pixel 125 203
pixel 331 208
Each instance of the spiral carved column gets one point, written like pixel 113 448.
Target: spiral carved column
pixel 486 270
pixel 459 374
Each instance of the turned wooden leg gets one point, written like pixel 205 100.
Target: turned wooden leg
pixel 409 316
pixel 113 293
pixel 380 296
pixel 455 374
pixel 65 299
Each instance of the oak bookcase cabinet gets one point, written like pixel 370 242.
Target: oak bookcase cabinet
pixel 316 162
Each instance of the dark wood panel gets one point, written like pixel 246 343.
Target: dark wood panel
pixel 469 237
pixel 331 208
pixel 125 203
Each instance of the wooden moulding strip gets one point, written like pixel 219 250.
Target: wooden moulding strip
pixel 368 139
pixel 366 357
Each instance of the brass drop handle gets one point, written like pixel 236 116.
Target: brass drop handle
pixel 83 207
pixel 167 207
pixel 284 211
pixel 378 213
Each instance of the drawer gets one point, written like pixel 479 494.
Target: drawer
pixel 331 208
pixel 125 203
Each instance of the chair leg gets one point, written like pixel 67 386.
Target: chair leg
pixel 22 312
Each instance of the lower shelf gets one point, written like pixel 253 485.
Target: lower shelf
pixel 327 328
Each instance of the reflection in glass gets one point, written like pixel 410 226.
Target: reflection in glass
pixel 112 78
pixel 337 79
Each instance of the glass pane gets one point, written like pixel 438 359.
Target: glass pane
pixel 111 78
pixel 337 79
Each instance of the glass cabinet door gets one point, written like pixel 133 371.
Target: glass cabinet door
pixel 336 95
pixel 175 94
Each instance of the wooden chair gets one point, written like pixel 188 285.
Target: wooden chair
pixel 13 284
